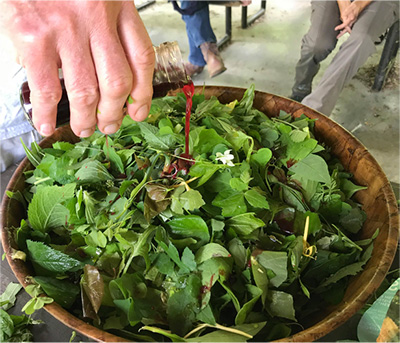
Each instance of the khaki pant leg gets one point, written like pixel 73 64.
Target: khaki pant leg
pixel 353 53
pixel 317 43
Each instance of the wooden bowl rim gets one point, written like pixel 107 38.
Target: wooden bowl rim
pixel 321 328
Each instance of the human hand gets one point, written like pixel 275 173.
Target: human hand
pixel 103 49
pixel 245 3
pixel 348 14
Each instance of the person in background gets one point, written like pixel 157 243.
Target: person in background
pixel 202 41
pixel 105 54
pixel 365 21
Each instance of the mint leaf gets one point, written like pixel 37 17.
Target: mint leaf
pixel 93 172
pixel 153 139
pixel 45 211
pixel 51 259
pixel 188 259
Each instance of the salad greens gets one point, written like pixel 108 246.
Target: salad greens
pixel 248 244
pixel 14 328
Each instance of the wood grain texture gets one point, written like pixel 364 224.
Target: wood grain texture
pixel 378 201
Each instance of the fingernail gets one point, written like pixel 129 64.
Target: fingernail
pixel 112 128
pixel 46 129
pixel 86 133
pixel 142 113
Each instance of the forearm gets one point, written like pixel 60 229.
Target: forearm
pixel 361 4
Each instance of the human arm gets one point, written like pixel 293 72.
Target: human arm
pixel 103 49
pixel 349 14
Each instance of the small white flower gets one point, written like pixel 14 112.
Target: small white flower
pixel 225 158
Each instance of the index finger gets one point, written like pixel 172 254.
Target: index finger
pixel 140 54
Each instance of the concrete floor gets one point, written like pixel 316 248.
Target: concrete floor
pixel 266 54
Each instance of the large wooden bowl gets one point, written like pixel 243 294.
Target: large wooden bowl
pixel 378 202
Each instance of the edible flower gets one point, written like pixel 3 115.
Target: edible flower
pixel 225 158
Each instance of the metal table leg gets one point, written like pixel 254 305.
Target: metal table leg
pixel 246 22
pixel 228 28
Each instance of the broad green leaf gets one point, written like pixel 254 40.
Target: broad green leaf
pixel 9 296
pixel 188 259
pixel 297 151
pixel 191 200
pixel 237 184
pixel 277 262
pixel 45 211
pixel 281 305
pixel 231 202
pixel 260 278
pixel 312 167
pixel 211 250
pixel 256 199
pixel 93 172
pixel 206 316
pixel 238 252
pixel 183 305
pixel 153 139
pixel 51 259
pixel 244 224
pixel 62 291
pixel 204 170
pixel 190 226
pixel 208 139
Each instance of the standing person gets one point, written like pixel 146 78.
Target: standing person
pixel 202 40
pixel 365 21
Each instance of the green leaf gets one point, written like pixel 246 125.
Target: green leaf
pixel 52 260
pixel 211 250
pixel 349 188
pixel 45 211
pixel 191 200
pixel 256 199
pixel 237 184
pixel 204 170
pixel 231 202
pixel 190 226
pixel 255 293
pixel 93 172
pixel 206 316
pixel 151 135
pixel 312 167
pixel 262 157
pixel 182 306
pixel 62 291
pixel 208 139
pixel 188 259
pixel 281 305
pixel 6 326
pixel 245 224
pixel 112 155
pixel 277 262
pixel 9 296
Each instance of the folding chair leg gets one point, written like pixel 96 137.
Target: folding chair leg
pixel 388 56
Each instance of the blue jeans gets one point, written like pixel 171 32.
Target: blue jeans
pixel 198 30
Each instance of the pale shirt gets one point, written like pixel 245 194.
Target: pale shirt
pixel 13 124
